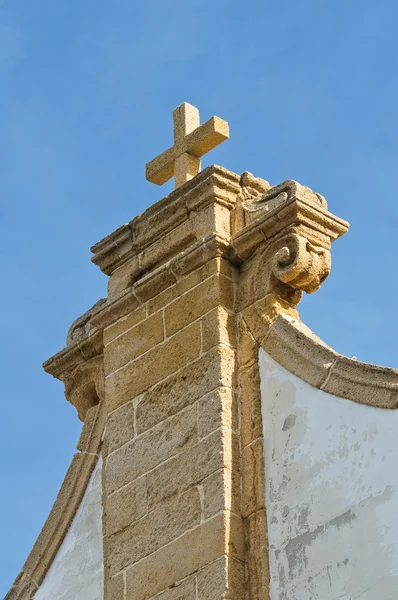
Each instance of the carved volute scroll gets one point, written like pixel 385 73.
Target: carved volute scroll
pixel 283 246
pixel 301 264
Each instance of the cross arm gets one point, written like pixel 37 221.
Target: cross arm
pixel 206 137
pixel 161 169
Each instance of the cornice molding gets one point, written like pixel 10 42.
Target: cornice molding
pixel 296 348
pixel 64 509
pixel 213 185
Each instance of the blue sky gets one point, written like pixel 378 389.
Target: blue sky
pixel 87 91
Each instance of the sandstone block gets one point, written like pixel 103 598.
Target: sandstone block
pixel 166 522
pixel 125 506
pixel 185 387
pixel 213 292
pixel 150 449
pixel 157 364
pixel 133 342
pixel 217 409
pixel 223 578
pixel 219 450
pixel 184 556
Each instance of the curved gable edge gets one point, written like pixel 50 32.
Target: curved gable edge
pixel 64 509
pixel 293 345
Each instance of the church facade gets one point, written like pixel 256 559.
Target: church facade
pixel 226 451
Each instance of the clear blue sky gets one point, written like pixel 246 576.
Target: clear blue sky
pixel 309 88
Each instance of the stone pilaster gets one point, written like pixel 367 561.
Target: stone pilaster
pixel 171 358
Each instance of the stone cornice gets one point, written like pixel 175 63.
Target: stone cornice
pixel 155 281
pixel 80 368
pixel 64 508
pixel 298 209
pixel 65 361
pixel 213 185
pixel 297 349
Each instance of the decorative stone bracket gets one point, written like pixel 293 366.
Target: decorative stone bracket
pixel 81 365
pixel 284 246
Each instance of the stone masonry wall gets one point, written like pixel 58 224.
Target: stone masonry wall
pixel 171 447
pixel 170 361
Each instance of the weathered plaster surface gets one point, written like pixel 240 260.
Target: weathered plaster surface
pixel 77 570
pixel 331 480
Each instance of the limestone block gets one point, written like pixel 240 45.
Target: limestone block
pixel 125 323
pixel 219 450
pixel 125 506
pixel 185 555
pixel 218 327
pixel 217 409
pixel 253 478
pixel 61 515
pixel 154 282
pixel 248 346
pixel 184 590
pixel 213 369
pixel 221 491
pixel 90 436
pixel 114 587
pixel 133 343
pixel 250 405
pixel 119 428
pixel 123 277
pixel 166 522
pixel 173 242
pixel 257 557
pixel 151 448
pixel 223 578
pixel 158 220
pixel 186 282
pixel 23 588
pixel 152 367
pixel 214 292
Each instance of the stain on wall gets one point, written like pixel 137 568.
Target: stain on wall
pixel 77 570
pixel 331 491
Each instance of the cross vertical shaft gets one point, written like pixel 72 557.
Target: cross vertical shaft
pixel 186 166
pixel 191 141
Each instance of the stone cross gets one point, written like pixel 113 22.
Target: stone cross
pixel 191 141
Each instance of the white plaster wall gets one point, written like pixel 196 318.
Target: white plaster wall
pixel 331 492
pixel 77 570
